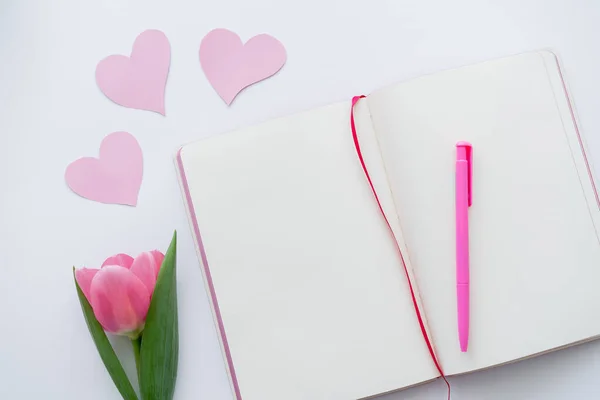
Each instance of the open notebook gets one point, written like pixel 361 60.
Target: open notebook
pixel 309 296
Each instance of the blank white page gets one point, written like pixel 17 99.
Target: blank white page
pixel 535 255
pixel 311 292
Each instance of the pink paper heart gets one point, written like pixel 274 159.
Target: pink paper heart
pixel 138 81
pixel 115 177
pixel 230 65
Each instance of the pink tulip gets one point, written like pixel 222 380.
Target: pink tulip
pixel 120 291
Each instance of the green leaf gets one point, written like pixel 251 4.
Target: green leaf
pixel 107 353
pixel 160 340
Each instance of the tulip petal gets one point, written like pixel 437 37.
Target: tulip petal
pixel 158 259
pixel 120 300
pixel 84 278
pixel 144 268
pixel 122 260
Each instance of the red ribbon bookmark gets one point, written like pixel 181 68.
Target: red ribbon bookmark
pixel 410 286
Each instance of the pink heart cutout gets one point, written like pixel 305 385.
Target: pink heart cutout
pixel 230 65
pixel 138 81
pixel 115 177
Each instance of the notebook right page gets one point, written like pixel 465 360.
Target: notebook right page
pixel 535 253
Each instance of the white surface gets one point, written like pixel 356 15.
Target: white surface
pixel 52 112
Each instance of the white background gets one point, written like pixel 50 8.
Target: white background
pixel 51 113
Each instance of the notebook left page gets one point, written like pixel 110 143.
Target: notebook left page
pixel 309 296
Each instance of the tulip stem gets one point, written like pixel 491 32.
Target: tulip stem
pixel 137 344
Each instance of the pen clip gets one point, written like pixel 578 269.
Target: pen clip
pixel 468 153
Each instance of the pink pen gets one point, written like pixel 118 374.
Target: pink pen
pixel 464 181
